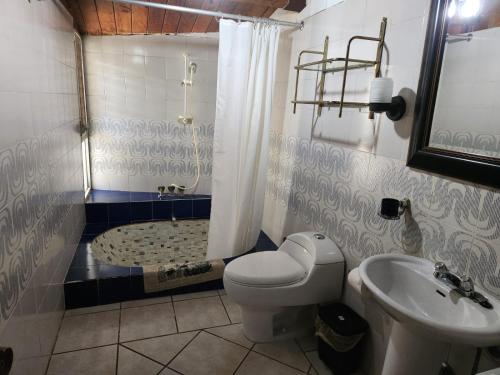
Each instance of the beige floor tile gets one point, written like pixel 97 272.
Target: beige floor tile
pixel 162 349
pixel 87 331
pixel 100 361
pixel 209 354
pixel 222 292
pixel 146 302
pixel 257 364
pixel 232 333
pixel 92 309
pixel 130 363
pixel 147 321
pixel 287 352
pixel 318 364
pixel 200 313
pixel 308 343
pixel 233 309
pixel 185 296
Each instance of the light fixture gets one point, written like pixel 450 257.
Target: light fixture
pixel 452 9
pixel 381 99
pixel 464 8
pixel 469 8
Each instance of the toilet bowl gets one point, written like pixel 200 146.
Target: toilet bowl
pixel 279 290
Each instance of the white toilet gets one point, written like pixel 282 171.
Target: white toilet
pixel 278 290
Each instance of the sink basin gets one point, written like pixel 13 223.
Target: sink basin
pixel 406 289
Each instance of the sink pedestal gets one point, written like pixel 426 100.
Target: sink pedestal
pixel 413 354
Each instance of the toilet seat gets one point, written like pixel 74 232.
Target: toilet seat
pixel 265 269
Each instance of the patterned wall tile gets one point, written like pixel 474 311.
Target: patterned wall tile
pixel 337 191
pixel 127 147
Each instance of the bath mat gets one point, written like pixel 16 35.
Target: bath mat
pixel 163 277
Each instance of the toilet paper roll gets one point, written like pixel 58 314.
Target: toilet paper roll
pixel 354 280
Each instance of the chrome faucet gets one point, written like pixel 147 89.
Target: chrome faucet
pixel 462 284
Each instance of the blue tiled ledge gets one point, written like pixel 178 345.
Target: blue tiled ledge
pixel 89 282
pixel 118 207
pixel 116 196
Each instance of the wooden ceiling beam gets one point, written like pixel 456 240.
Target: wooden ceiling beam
pixel 203 22
pixel 140 16
pixel 188 20
pixel 225 7
pixel 123 17
pixel 74 9
pixel 106 15
pixel 171 22
pixel 156 18
pixel 89 13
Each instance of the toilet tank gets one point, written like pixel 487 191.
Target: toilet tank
pixel 321 249
pixel 324 263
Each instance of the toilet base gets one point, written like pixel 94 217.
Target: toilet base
pixel 265 324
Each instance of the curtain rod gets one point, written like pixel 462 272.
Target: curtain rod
pixel 203 12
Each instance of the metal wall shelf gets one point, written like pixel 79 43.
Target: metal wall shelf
pixel 339 64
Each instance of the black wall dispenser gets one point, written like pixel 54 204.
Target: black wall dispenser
pixel 392 209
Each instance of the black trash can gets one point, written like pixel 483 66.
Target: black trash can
pixel 340 330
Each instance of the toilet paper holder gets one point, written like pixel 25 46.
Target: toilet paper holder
pixel 392 209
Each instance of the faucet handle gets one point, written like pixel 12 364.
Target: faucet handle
pixel 439 268
pixel 466 285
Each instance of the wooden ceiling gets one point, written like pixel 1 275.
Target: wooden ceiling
pixel 103 17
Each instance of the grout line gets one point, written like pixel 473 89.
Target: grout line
pixel 182 349
pixel 175 318
pixel 141 354
pixel 118 339
pixel 148 304
pixel 155 337
pixel 225 309
pixel 55 342
pixel 243 360
pixel 88 313
pixel 223 338
pixel 82 349
pixel 304 354
pixel 279 361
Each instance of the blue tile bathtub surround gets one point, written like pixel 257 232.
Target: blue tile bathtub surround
pixel 90 283
pixel 162 210
pixel 141 211
pixel 119 212
pixel 114 208
pixel 183 208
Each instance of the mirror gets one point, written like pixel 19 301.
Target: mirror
pixel 457 124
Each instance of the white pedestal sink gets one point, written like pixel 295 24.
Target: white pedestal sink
pixel 429 314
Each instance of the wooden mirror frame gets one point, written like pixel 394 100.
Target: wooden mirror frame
pixel 474 168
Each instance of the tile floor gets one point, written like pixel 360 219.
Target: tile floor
pixel 196 333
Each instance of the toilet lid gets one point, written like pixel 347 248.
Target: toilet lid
pixel 266 268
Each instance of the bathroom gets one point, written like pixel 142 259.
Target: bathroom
pixel 199 186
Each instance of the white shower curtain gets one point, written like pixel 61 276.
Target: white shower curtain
pixel 246 73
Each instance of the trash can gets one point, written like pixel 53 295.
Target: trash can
pixel 340 330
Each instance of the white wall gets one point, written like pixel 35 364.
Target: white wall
pixel 41 182
pixel 330 177
pixel 467 104
pixel 134 97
